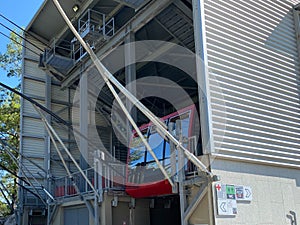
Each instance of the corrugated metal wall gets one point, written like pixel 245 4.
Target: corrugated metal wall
pixel 252 53
pixel 33 134
pixel 32 129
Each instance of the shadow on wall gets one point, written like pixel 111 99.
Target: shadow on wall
pixel 257 169
pixel 280 41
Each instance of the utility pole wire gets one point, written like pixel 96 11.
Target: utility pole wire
pixel 4 195
pixel 25 31
pixel 19 43
pixel 55 116
pixel 11 30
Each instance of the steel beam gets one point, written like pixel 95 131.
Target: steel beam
pixel 130 76
pixel 47 138
pixel 137 22
pixel 203 77
pixel 195 202
pixel 83 109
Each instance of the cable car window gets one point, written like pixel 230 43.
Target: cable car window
pixel 137 150
pixel 156 143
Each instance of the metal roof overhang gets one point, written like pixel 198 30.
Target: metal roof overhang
pixel 48 23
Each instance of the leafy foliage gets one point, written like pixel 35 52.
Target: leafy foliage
pixel 10 62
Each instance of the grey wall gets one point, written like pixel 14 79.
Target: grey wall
pixel 254 80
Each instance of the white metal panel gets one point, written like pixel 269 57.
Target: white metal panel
pixel 29 167
pixel 57 169
pixel 33 127
pixel 28 107
pixel 59 94
pixel 35 47
pixel 33 147
pixel 61 110
pixel 31 69
pixel 254 66
pixel 34 88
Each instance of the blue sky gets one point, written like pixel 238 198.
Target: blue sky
pixel 21 12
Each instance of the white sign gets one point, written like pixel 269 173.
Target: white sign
pixel 226 199
pixel 243 193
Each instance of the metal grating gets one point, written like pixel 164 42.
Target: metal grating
pixel 178 25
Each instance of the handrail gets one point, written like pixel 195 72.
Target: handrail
pixel 111 180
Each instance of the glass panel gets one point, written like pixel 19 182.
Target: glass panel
pixel 136 159
pixel 137 150
pixel 156 143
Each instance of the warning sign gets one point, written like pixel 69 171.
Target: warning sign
pixel 226 199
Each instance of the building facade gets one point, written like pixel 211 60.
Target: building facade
pixel 236 62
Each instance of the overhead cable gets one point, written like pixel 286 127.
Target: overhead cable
pixel 20 36
pixel 27 32
pixel 19 43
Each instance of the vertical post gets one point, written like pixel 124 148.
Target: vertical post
pixel 47 144
pixel 83 121
pixel 98 188
pixel 202 76
pixel 173 158
pixel 46 136
pixel 203 86
pixel 181 174
pixel 130 76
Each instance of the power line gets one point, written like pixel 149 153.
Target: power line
pixel 38 39
pixel 19 43
pixel 13 173
pixel 20 36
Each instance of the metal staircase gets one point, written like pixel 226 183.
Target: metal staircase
pixel 179 25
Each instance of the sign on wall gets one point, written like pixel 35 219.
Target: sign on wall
pixel 229 195
pixel 243 193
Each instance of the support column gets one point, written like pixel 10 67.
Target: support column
pixel 130 76
pixel 47 137
pixel 181 174
pixel 47 143
pixel 83 121
pixel 202 76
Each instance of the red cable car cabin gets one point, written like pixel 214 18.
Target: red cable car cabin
pixel 144 178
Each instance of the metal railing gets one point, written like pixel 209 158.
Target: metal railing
pixel 60 47
pixel 93 21
pixel 112 178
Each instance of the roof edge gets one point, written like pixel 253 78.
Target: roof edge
pixel 36 15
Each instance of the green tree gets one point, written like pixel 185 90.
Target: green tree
pixel 10 62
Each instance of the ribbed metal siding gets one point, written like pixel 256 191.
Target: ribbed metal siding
pixel 32 69
pixel 34 88
pixel 33 127
pixel 28 108
pixel 252 53
pixel 59 94
pixel 35 47
pixel 33 147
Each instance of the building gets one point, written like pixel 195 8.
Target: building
pixel 247 80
